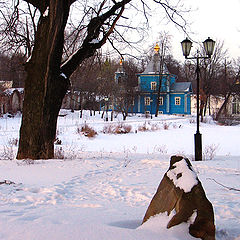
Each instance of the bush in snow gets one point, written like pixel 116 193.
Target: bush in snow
pixel 154 127
pixel 13 142
pixel 148 126
pixel 120 128
pixel 7 153
pixel 145 127
pixel 123 129
pixel 87 131
pixel 162 149
pixel 69 152
pixel 166 126
pixel 59 153
pixel 108 129
pixel 210 151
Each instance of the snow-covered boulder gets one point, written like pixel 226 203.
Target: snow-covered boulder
pixel 181 191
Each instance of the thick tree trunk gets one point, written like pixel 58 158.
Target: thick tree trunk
pixel 47 81
pixel 45 86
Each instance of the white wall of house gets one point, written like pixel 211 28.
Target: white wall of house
pixel 215 104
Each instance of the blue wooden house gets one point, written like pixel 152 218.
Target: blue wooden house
pixel 174 98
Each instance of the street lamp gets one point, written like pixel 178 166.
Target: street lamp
pixel 151 107
pixel 106 103
pixel 208 45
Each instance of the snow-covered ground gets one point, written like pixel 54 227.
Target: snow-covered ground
pixel 103 185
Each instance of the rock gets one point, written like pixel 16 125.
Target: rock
pixel 181 190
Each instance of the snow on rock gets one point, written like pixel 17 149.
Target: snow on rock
pixel 183 176
pixel 158 224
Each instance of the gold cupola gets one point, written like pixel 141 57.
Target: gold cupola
pixel 121 61
pixel 156 48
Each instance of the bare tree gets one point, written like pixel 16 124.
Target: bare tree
pixel 229 84
pixel 17 29
pixel 49 69
pixel 125 89
pixel 164 49
pixel 210 75
pixel 11 69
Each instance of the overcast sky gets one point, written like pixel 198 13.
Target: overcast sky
pixel 217 19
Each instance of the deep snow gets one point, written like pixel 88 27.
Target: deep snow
pixel 103 186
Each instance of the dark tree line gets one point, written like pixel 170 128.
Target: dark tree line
pixel 12 69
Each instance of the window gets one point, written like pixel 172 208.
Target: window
pixel 235 106
pixel 177 101
pixel 139 80
pixel 160 100
pixel 147 100
pixel 153 85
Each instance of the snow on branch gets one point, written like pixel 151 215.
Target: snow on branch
pixel 94 41
pixel 45 14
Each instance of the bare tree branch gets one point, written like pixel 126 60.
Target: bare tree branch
pixel 229 188
pixel 40 5
pixel 171 13
pixel 90 43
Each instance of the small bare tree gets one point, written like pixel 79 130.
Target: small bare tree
pixel 164 49
pixel 210 74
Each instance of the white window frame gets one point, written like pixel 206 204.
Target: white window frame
pixel 147 101
pixel 153 85
pixel 235 106
pixel 160 100
pixel 178 101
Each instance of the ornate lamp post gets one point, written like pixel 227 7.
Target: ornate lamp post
pixel 151 107
pixel 106 106
pixel 208 45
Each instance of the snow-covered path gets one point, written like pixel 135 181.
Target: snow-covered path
pixel 104 196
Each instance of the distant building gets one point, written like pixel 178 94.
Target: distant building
pixel 6 84
pixel 11 100
pixel 174 98
pixel 230 114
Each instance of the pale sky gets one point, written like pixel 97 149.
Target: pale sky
pixel 217 19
